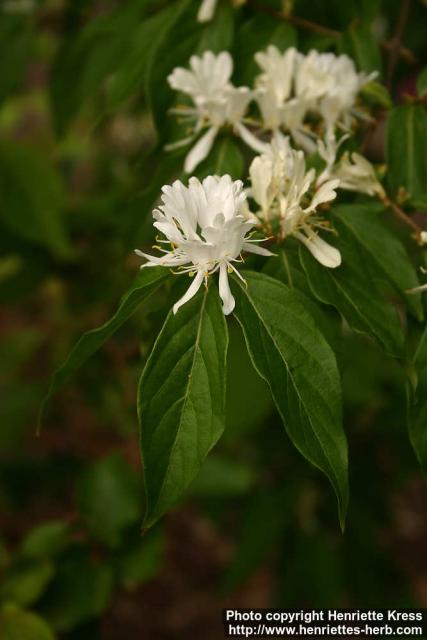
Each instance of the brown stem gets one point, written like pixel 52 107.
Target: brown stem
pixel 397 39
pixel 393 47
pixel 399 213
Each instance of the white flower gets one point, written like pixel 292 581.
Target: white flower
pixel 354 171
pixel 280 186
pixel 273 94
pixel 278 72
pixel 207 10
pixel 207 232
pixel 208 7
pixel 216 103
pixel 423 238
pixel 330 84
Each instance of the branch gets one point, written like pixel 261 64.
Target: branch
pixel 399 213
pixel 397 39
pixel 393 47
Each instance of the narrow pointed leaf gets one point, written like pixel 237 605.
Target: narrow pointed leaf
pixel 181 400
pixel 290 353
pixel 147 281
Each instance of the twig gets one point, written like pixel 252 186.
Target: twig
pixel 397 39
pixel 399 213
pixel 393 47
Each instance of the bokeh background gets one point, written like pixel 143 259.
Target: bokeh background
pixel 80 170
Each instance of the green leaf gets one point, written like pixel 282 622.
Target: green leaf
pixel 406 142
pixel 46 540
pixel 15 50
pixel 225 157
pixel 360 43
pixel 417 410
pixel 376 93
pixel 146 283
pixel 218 34
pixel 353 290
pixel 223 478
pixel 89 56
pixel 368 228
pixel 81 590
pixel 32 198
pixel 255 35
pixel 16 624
pixel 26 580
pixel 300 368
pixel 181 400
pixel 256 541
pixel 422 83
pixel 129 78
pixel 163 58
pixel 142 561
pixel 108 497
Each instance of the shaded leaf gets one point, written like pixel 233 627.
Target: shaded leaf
pixel 361 44
pixel 225 157
pixel 26 580
pixel 146 283
pixel 417 396
pixel 81 590
pixel 406 138
pixel 108 497
pixel 353 290
pixel 17 624
pixel 368 228
pixel 32 198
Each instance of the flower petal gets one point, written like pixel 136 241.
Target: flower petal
pixel 251 140
pixel 191 291
pixel 206 11
pixel 324 253
pixel 225 294
pixel 200 150
pixel 253 248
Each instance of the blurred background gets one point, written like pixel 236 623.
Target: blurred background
pixel 81 166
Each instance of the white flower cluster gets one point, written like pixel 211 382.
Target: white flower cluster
pixel 290 88
pixel 207 225
pixel 206 229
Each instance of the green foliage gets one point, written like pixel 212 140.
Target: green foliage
pixel 26 580
pixel 417 396
pixel 181 400
pixel 382 249
pixel 108 498
pixel 17 624
pixel 141 562
pixel 146 283
pixel 32 198
pixel 360 43
pixel 81 590
pixel 422 83
pixel 225 157
pixel 46 540
pixel 407 138
pixel 300 368
pixel 354 291
pixel 85 114
pixel 377 94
